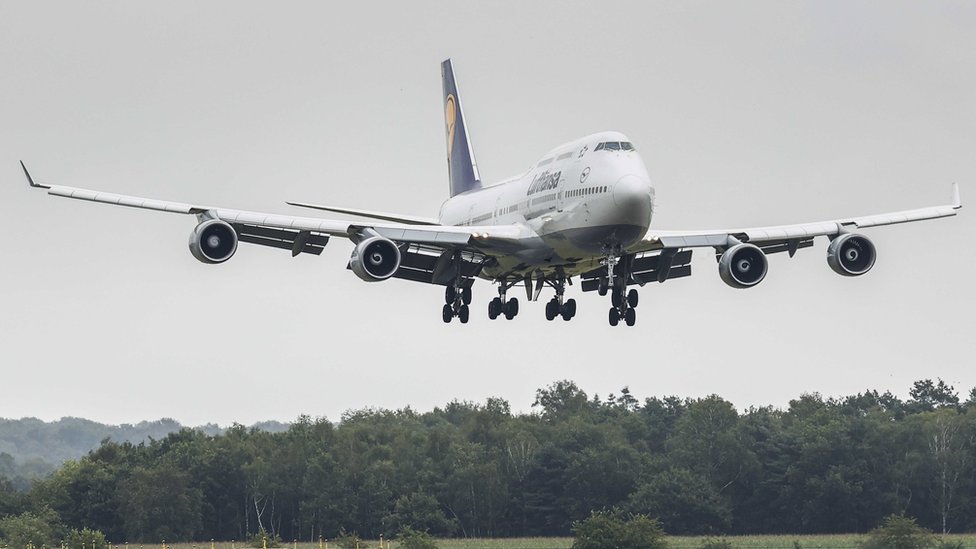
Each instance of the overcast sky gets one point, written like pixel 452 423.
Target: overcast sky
pixel 745 113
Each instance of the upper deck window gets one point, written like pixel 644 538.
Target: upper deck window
pixel 615 146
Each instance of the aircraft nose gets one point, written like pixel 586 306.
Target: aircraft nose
pixel 632 196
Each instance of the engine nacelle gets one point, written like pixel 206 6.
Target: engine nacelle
pixel 851 254
pixel 213 241
pixel 374 259
pixel 742 266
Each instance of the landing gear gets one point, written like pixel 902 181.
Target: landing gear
pixel 499 306
pixel 623 301
pixel 557 306
pixel 623 306
pixel 457 299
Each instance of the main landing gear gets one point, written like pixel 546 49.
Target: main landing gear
pixel 457 300
pixel 623 302
pixel 557 306
pixel 500 306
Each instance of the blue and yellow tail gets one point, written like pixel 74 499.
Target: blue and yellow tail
pixel 461 166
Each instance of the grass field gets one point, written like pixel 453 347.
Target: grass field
pixel 840 541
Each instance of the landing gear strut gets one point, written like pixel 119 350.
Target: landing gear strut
pixel 623 302
pixel 557 306
pixel 500 306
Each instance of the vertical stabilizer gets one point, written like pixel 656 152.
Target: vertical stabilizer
pixel 461 166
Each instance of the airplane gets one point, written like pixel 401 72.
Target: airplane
pixel 582 211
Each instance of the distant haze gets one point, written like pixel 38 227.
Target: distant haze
pixel 746 113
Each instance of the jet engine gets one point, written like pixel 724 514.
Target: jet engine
pixel 213 241
pixel 851 254
pixel 374 259
pixel 742 266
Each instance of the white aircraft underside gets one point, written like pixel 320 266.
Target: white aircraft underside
pixel 584 210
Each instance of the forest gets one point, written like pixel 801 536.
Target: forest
pixel 699 465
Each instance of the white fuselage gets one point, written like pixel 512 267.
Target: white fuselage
pixel 580 202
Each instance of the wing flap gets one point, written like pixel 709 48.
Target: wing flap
pixel 295 241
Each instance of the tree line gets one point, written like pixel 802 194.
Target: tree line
pixel 821 465
pixel 31 448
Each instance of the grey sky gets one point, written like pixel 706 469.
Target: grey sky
pixel 745 113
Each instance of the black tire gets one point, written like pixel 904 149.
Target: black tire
pixel 616 299
pixel 450 294
pixel 614 316
pixel 565 313
pixel 512 307
pixel 570 306
pixel 494 308
pixel 447 313
pixel 551 309
pixel 463 314
pixel 632 298
pixel 603 286
pixel 630 317
pixel 466 296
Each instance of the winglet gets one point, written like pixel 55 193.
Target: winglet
pixel 956 201
pixel 30 179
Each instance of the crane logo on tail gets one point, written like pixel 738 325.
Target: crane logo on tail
pixel 450 117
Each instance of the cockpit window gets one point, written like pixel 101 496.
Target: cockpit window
pixel 615 146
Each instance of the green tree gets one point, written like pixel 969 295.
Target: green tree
pixel 899 532
pixel 30 528
pixel 927 396
pixel 84 537
pixel 615 530
pixel 160 503
pixel 683 502
pixel 414 539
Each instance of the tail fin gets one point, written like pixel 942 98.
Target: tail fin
pixel 461 166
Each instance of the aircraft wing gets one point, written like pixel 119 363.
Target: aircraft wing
pixel 778 238
pixel 305 234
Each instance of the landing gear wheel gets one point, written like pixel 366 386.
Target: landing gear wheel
pixel 494 308
pixel 569 309
pixel 614 316
pixel 447 313
pixel 450 294
pixel 552 309
pixel 466 296
pixel 632 298
pixel 511 308
pixel 630 317
pixel 464 313
pixel 603 286
pixel 616 299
